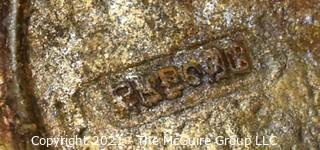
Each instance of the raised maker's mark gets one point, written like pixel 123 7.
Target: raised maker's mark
pixel 169 82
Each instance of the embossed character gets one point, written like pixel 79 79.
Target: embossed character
pixel 238 59
pixel 214 65
pixel 192 73
pixel 146 89
pixel 124 95
pixel 171 81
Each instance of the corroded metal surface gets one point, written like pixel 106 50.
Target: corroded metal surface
pixel 18 122
pixel 160 87
pixel 202 68
pixel 6 114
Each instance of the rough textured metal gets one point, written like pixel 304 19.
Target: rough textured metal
pixel 81 52
pixel 6 114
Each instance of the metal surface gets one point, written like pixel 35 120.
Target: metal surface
pixel 120 68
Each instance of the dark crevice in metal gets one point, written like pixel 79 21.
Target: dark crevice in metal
pixel 6 140
pixel 28 121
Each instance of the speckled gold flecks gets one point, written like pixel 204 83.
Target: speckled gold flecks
pixel 76 42
pixel 292 90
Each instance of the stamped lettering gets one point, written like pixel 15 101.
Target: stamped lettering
pixel 143 93
pixel 168 82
